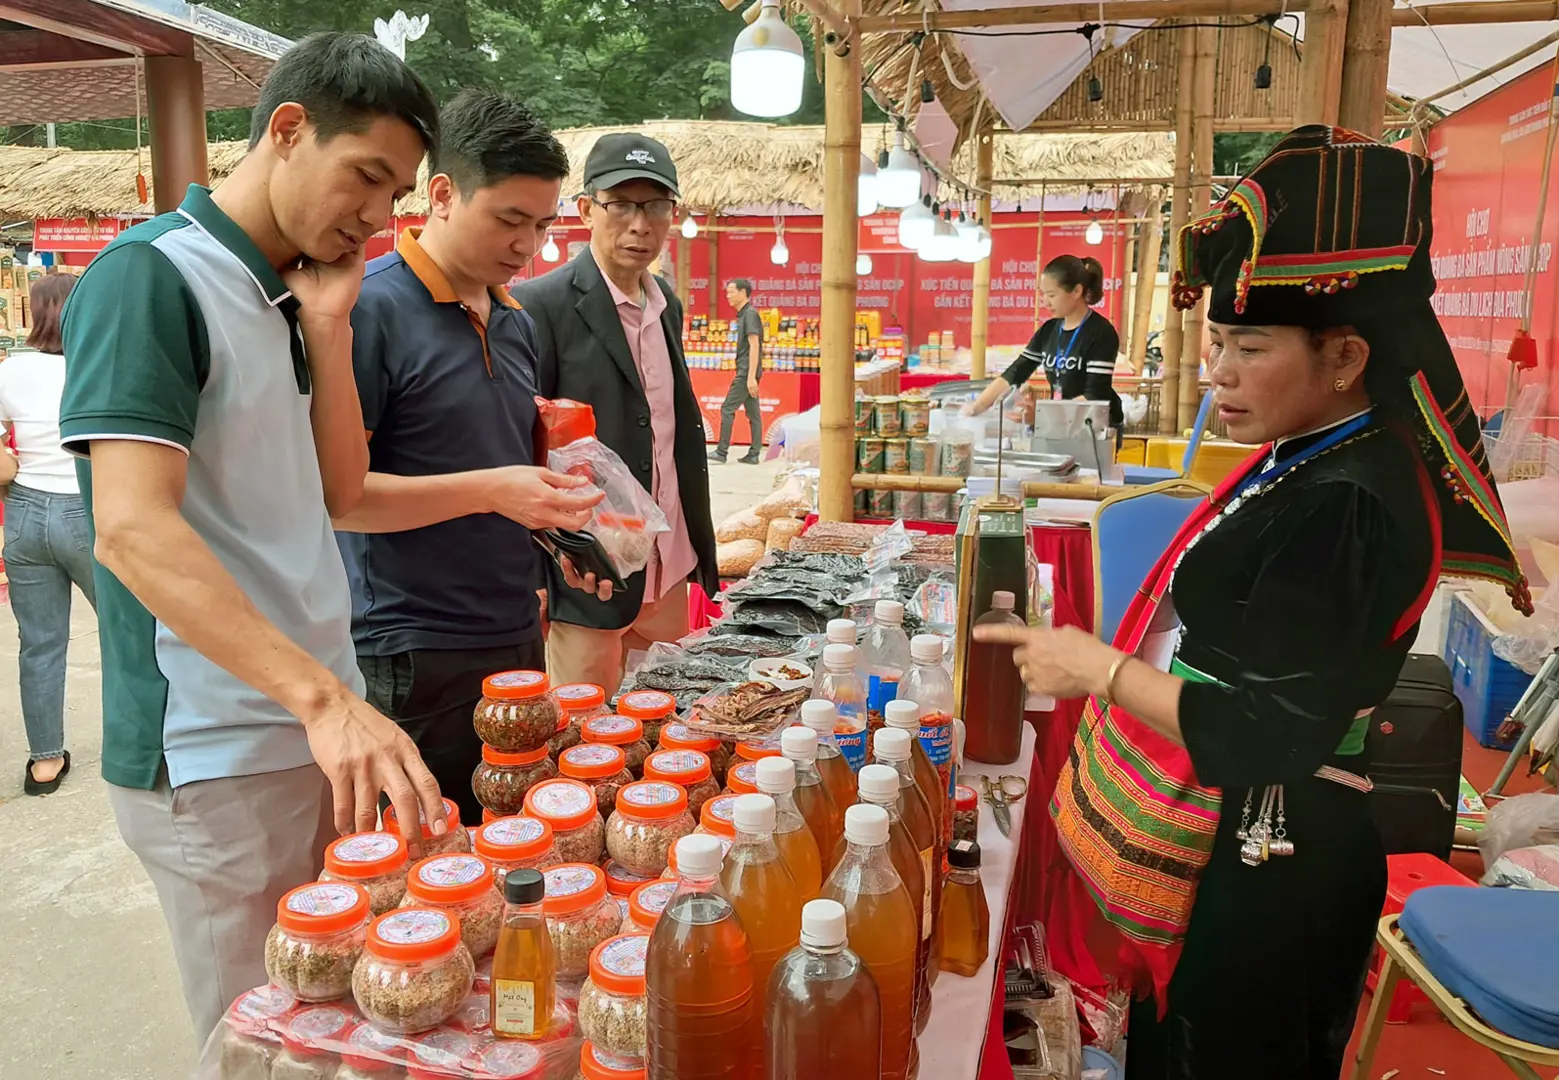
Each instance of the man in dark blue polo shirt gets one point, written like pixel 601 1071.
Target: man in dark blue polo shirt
pixel 443 569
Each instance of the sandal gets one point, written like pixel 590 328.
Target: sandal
pixel 31 786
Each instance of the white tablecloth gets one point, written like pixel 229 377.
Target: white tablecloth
pixel 951 1045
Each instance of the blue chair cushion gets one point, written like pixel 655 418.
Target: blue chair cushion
pixel 1143 475
pixel 1497 950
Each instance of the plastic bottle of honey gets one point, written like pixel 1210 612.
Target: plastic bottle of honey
pixel 524 965
pixel 698 987
pixel 797 846
pixel 883 930
pixel 892 748
pixel 824 1015
pixel 904 715
pixel 824 817
pixel 965 926
pixel 823 718
pixel 842 685
pixel 762 891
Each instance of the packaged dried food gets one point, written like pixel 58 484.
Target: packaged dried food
pixel 516 714
pixel 461 885
pixel 249 1047
pixel 621 731
pixel 317 940
pixel 682 737
pixel 611 1004
pixel 597 1064
pixel 439 1053
pixel 747 710
pixel 375 860
pixel 628 520
pixel 651 816
pixel 569 806
pixel 646 905
pixel 516 843
pixel 652 708
pixel 966 813
pixel 306 1036
pixel 580 915
pixel 370 1054
pixel 688 769
pixel 414 972
pixel 603 767
pixel 738 557
pixel 742 780
pixel 501 780
pixel 742 525
pixel 621 881
pixel 509 1060
pixel 456 839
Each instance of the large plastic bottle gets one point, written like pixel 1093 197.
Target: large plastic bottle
pixel 762 890
pixel 840 632
pixel 822 716
pixel 884 657
pixel 824 1015
pixel 883 930
pixel 698 985
pixel 797 846
pixel 994 693
pixel 904 715
pixel 928 685
pixel 841 684
pixel 892 748
pixel 824 818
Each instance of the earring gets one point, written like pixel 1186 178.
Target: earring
pixel 1340 385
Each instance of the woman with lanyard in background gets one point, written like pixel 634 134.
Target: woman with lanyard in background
pixel 1076 348
pixel 1215 803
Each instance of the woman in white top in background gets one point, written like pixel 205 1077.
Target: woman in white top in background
pixel 47 545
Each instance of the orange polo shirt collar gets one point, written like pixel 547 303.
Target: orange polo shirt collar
pixel 433 278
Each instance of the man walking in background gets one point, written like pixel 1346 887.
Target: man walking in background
pixel 749 367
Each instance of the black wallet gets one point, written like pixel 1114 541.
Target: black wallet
pixel 584 551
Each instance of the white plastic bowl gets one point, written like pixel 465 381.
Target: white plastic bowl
pixel 767 670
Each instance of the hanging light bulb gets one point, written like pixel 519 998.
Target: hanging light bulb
pixel 968 230
pixel 866 188
pixel 898 184
pixel 863 264
pixel 916 223
pixel 1095 90
pixel 1094 234
pixel 942 245
pixel 768 66
pixel 689 228
pixel 986 242
pixel 779 254
pixel 549 250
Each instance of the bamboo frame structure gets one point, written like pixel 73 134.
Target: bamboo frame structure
pixel 947 485
pixel 1179 213
pixel 1422 104
pixel 1194 324
pixel 1128 260
pixel 1039 258
pixel 1366 52
pixel 1149 245
pixel 1047 14
pixel 1476 13
pixel 980 310
pixel 1320 70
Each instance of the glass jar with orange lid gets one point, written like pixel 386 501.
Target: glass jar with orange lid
pixel 646 905
pixel 516 714
pixel 689 770
pixel 455 840
pixel 317 940
pixel 611 1003
pixel 621 731
pixel 501 780
pixel 579 702
pixel 463 886
pixel 756 751
pixel 516 843
pixel 718 818
pixel 621 881
pixel 651 816
pixel 569 806
pixel 681 737
pixel 597 1064
pixel 375 860
pixel 603 767
pixel 414 972
pixel 652 708
pixel 742 779
pixel 580 915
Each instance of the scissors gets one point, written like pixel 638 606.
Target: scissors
pixel 1000 793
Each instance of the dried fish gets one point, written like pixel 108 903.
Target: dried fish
pixel 751 708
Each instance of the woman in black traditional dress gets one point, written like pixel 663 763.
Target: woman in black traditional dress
pixel 1215 802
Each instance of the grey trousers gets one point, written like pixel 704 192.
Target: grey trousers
pixel 221 854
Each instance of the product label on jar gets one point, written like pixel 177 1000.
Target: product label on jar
pixel 655 898
pixel 613 1063
pixel 368 1037
pixel 323 899
pixel 648 701
pixel 609 725
pixel 569 879
pixel 625 955
pixel 561 798
pixel 366 848
pixel 311 1025
pixel 616 871
pixel 747 773
pixel 413 926
pixel 266 1003
pixel 936 737
pixel 683 733
pixel 451 812
pixel 502 1060
pixel 678 762
pixel 723 808
pixel 925 899
pixel 649 793
pixel 578 692
pixel 513 831
pixel 452 870
pixel 443 1049
pixel 592 755
pixel 518 679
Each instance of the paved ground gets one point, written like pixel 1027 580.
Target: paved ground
pixel 88 989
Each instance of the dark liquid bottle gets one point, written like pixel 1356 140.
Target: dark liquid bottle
pixel 994 693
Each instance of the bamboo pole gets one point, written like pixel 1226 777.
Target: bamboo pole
pixel 1204 92
pixel 1534 252
pixel 1366 49
pixel 1128 289
pixel 684 270
pixel 1033 489
pixel 1148 249
pixel 912 19
pixel 716 290
pixel 980 314
pixel 1537 46
pixel 841 234
pixel 1039 259
pixel 1179 207
pixel 1320 68
pixel 1476 13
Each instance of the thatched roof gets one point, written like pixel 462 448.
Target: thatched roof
pixel 722 165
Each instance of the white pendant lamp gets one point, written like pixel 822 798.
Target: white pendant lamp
pixel 916 223
pixel 549 250
pixel 942 245
pixel 968 230
pixel 768 66
pixel 689 228
pixel 898 184
pixel 863 264
pixel 866 188
pixel 779 254
pixel 1094 234
pixel 986 242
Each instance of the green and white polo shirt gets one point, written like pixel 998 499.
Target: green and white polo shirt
pixel 180 332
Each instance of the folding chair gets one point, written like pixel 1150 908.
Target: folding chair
pixel 1141 475
pixel 1130 532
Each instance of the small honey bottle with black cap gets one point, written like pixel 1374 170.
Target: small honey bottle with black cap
pixel 966 918
pixel 524 964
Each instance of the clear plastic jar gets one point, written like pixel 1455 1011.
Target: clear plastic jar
pixel 501 780
pixel 621 881
pixel 621 731
pixel 652 708
pixel 516 843
pixel 317 940
pixel 646 904
pixel 439 1053
pixel 375 860
pixel 742 779
pixel 724 830
pixel 611 1004
pixel 310 1041
pixel 689 770
pixel 966 813
pixel 580 915
pixel 579 702
pixel 455 841
pixel 461 885
pixel 679 737
pixel 372 1055
pixel 414 972
pixel 509 1060
pixel 603 767
pixel 756 751
pixel 596 1064
pixel 516 714
pixel 651 816
pixel 569 806
pixel 249 1047
pixel 568 735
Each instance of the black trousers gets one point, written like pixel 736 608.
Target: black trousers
pixel 736 398
pixel 431 694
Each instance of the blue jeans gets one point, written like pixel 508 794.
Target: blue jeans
pixel 46 548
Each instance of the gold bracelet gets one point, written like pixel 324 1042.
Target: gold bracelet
pixel 1108 696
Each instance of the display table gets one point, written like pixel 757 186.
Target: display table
pixel 961 1040
pixel 780 394
pixel 915 379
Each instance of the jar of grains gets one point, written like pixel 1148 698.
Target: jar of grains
pixel 249 1046
pixel 310 1041
pixel 414 972
pixel 646 904
pixel 501 780
pixel 579 702
pixel 756 751
pixel 516 843
pixel 580 915
pixel 651 816
pixel 597 1064
pixel 317 940
pixel 621 731
pixel 454 841
pixel 742 779
pixel 611 1004
pixel 652 708
pixel 966 813
pixel 621 881
pixel 568 735
pixel 689 769
pixel 516 714
pixel 718 819
pixel 604 768
pixel 461 885
pixel 371 1054
pixel 681 737
pixel 509 1060
pixel 375 860
pixel 569 806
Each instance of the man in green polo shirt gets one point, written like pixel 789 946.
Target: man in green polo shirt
pixel 209 384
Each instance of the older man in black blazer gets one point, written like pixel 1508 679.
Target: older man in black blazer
pixel 609 333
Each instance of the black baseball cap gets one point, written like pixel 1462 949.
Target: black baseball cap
pixel 617 159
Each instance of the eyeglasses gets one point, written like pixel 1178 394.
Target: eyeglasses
pixel 625 209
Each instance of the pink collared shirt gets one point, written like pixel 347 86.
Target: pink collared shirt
pixel 674 558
